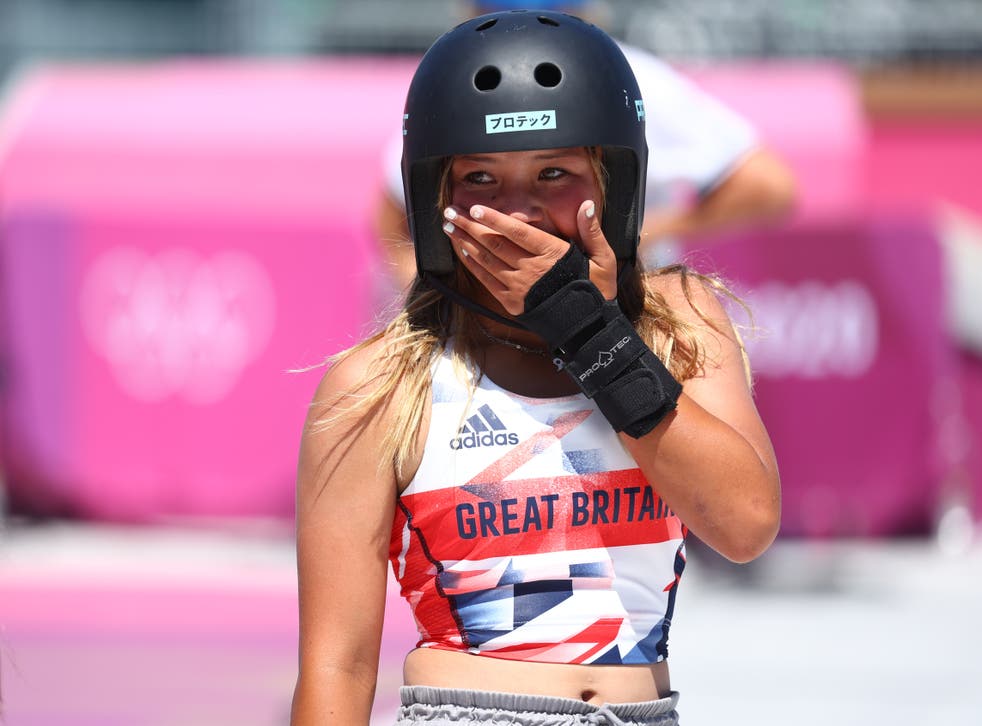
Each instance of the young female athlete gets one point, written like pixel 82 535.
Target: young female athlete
pixel 530 440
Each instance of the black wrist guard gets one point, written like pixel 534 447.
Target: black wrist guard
pixel 599 347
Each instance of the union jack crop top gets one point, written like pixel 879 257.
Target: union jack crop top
pixel 529 533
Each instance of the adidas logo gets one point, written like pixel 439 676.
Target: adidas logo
pixel 484 428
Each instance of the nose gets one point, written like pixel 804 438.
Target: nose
pixel 520 203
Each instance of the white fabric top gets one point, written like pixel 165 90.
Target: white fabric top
pixel 529 533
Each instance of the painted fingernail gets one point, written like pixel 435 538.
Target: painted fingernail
pixel 464 252
pixel 449 228
pixel 477 212
pixel 450 213
pixel 591 210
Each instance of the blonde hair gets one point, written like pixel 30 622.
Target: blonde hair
pixel 419 333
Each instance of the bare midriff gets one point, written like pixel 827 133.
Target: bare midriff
pixel 591 683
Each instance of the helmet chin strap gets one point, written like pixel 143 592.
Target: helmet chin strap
pixel 476 307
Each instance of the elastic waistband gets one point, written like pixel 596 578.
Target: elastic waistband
pixel 454 701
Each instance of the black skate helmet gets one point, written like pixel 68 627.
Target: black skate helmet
pixel 517 81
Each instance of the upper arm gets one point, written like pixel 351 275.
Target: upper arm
pixel 723 388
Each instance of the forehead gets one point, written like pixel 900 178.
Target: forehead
pixel 520 157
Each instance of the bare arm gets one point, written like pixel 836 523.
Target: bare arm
pixel 712 459
pixel 760 190
pixel 345 506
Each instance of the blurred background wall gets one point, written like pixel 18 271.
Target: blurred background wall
pixel 185 193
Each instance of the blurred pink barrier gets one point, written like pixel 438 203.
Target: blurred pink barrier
pixel 854 370
pixel 937 163
pixel 925 160
pixel 971 385
pixel 175 238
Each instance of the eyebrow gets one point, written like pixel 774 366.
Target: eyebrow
pixel 544 155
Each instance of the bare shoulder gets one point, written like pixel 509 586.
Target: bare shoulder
pixel 693 298
pixel 362 401
pixel 697 304
pixel 342 400
pixel 343 423
pixel 697 301
pixel 350 372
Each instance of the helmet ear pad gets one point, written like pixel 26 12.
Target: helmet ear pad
pixel 433 251
pixel 622 215
pixel 620 218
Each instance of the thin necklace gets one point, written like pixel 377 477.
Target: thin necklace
pixel 519 347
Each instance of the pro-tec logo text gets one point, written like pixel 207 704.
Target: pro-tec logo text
pixel 605 358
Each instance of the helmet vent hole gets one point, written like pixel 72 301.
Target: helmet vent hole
pixel 548 21
pixel 548 75
pixel 486 24
pixel 487 79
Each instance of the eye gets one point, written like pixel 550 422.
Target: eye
pixel 551 173
pixel 478 177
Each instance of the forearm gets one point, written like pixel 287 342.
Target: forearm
pixel 713 478
pixel 400 261
pixel 760 191
pixel 397 250
pixel 333 696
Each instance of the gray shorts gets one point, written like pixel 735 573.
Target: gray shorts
pixel 451 706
